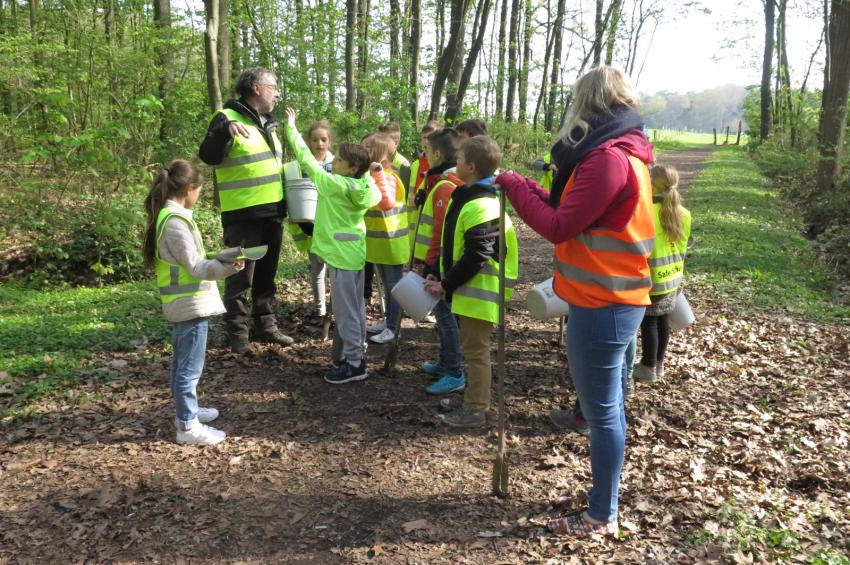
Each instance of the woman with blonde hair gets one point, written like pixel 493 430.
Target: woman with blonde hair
pixel 667 266
pixel 599 216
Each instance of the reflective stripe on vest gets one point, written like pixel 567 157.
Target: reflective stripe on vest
pixel 479 296
pixel 426 222
pixel 175 281
pixel 387 231
pixel 250 174
pixel 548 176
pixel 600 266
pixel 667 262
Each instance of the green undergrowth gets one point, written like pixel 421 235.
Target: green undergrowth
pixel 48 337
pixel 762 534
pixel 748 245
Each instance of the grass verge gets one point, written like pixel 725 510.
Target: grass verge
pixel 748 245
pixel 49 336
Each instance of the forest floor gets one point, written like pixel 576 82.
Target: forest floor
pixel 740 454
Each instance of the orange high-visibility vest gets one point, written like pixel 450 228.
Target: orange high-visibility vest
pixel 600 266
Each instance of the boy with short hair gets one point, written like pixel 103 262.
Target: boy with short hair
pixel 393 131
pixel 417 175
pixel 469 271
pixel 339 239
pixel 441 151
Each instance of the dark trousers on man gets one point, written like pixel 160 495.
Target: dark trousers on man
pixel 257 275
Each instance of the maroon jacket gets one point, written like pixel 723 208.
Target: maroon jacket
pixel 602 195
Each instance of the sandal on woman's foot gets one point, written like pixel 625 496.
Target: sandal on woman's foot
pixel 580 526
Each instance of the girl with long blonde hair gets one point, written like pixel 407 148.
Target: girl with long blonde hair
pixel 667 266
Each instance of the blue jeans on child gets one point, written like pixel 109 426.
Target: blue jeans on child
pixel 189 341
pixel 390 275
pixel 450 355
pixel 597 339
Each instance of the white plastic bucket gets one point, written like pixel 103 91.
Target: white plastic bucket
pixel 682 316
pixel 301 199
pixel 411 294
pixel 543 303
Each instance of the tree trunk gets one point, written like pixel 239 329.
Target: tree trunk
pixel 613 26
pixel 766 102
pixel 454 103
pixel 512 61
pixel 211 51
pixel 549 114
pixel 362 53
pixel 500 72
pixel 350 34
pixel 415 32
pixel 162 21
pixel 301 47
pixel 330 53
pixel 453 50
pixel 526 61
pixel 599 31
pixel 834 102
pixel 225 65
pixel 550 39
pixel 787 110
pixel 395 26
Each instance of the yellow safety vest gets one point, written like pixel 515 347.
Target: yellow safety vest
pixel 479 296
pixel 387 231
pixel 667 262
pixel 173 280
pixel 250 174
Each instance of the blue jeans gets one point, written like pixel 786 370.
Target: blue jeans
pixel 189 341
pixel 390 275
pixel 597 339
pixel 451 358
pixel 628 369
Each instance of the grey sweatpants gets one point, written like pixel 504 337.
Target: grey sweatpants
pixel 349 310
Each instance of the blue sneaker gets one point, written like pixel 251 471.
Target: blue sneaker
pixel 346 373
pixel 432 368
pixel 447 384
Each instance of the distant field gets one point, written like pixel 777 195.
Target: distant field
pixel 668 139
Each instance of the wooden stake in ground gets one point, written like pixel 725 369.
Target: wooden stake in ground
pixel 500 462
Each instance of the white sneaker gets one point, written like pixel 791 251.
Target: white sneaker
pixel 385 336
pixel 199 434
pixel 207 415
pixel 377 328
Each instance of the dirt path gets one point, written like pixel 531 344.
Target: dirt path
pixel 750 410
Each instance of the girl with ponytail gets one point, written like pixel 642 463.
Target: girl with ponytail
pixel 173 245
pixel 667 266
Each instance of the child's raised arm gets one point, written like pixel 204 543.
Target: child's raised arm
pixel 302 153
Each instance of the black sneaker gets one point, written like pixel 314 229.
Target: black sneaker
pixel 274 336
pixel 346 373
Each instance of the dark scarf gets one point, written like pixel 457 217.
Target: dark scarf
pixel 603 127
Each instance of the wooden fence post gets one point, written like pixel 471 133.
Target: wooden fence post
pixel 715 135
pixel 727 136
pixel 738 141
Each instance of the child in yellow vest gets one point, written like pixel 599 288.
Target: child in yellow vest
pixel 319 139
pixel 174 245
pixel 387 247
pixel 469 271
pixel 667 267
pixel 339 239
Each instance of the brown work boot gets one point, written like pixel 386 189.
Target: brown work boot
pixel 240 345
pixel 273 335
